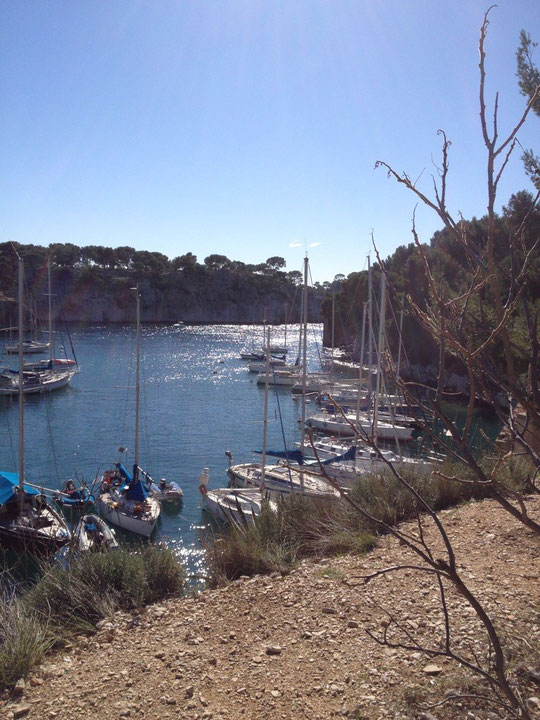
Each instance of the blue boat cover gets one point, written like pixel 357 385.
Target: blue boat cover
pixel 124 473
pixel 290 455
pixel 137 491
pixel 296 455
pixel 9 481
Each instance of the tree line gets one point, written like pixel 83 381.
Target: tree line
pixel 452 269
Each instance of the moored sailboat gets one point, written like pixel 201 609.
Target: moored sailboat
pixel 124 498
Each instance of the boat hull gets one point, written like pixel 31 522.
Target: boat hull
pixel 280 480
pixel 42 540
pixel 43 385
pixel 236 506
pixel 339 426
pixel 113 511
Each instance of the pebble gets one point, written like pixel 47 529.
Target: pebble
pixel 432 670
pixel 20 710
pixel 273 650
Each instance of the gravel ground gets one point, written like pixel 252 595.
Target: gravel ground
pixel 299 646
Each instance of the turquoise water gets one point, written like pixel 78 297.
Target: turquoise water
pixel 197 401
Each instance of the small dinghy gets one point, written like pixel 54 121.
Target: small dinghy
pixel 72 498
pixel 92 534
pixel 165 490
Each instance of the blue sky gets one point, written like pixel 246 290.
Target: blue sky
pixel 242 127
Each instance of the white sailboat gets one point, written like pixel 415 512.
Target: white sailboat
pixel 44 376
pixel 238 506
pixel 30 347
pixel 124 499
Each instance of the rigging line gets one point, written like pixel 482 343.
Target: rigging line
pixel 282 430
pixel 69 338
pixel 144 403
pixel 125 400
pixel 47 410
pixel 10 432
pixel 404 351
pixel 314 334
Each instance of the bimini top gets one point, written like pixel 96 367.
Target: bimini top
pixel 9 482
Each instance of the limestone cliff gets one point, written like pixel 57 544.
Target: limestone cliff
pixel 221 296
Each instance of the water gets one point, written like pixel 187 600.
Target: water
pixel 197 401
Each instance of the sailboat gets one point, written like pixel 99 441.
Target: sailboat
pixel 124 498
pixel 27 521
pixel 279 480
pixel 238 506
pixel 43 376
pixel 30 347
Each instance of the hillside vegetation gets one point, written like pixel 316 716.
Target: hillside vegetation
pixel 93 284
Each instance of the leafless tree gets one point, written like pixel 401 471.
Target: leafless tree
pixel 472 327
pixel 475 326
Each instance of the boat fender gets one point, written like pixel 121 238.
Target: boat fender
pixel 203 489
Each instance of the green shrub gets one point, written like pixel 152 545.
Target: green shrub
pixel 320 527
pixel 76 597
pixel 24 640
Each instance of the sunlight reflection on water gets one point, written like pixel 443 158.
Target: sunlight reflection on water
pixel 197 401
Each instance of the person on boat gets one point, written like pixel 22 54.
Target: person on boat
pixel 163 484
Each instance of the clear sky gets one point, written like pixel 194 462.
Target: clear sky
pixel 242 127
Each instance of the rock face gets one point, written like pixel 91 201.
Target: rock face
pixel 200 296
pixel 218 298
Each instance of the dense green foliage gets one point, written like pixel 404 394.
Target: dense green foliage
pixel 93 283
pixel 453 272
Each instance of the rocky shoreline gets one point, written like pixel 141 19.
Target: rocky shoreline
pixel 299 646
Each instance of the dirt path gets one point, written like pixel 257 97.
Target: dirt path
pixel 297 647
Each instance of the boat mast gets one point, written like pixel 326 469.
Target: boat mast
pixel 370 338
pixel 304 363
pixel 265 416
pixel 332 357
pixel 137 385
pixel 51 348
pixel 286 321
pixel 21 384
pixel 300 330
pixel 360 372
pixel 380 348
pixel 398 368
